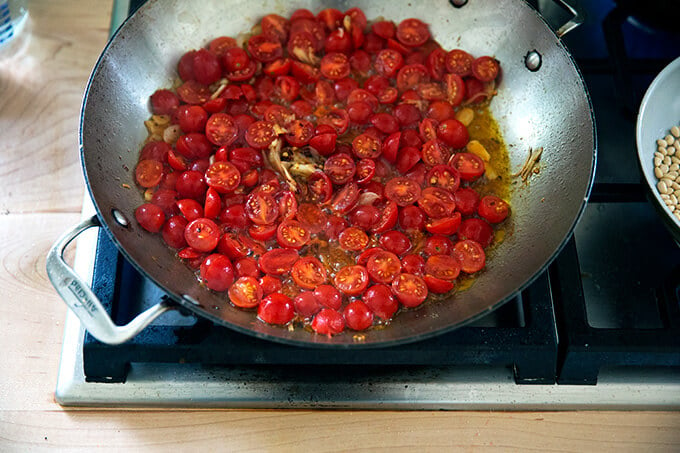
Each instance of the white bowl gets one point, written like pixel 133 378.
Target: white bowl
pixel 659 111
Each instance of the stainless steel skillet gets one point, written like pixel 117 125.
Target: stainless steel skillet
pixel 540 104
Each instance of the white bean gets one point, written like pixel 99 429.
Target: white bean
pixel 672 174
pixel 664 168
pixel 661 143
pixel 663 188
pixel 675 131
pixel 669 139
pixel 657 161
pixel 658 173
pixel 667 160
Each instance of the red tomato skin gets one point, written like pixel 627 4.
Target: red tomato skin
pixel 247 267
pixel 477 230
pixel 453 133
pixel 306 305
pixel 150 217
pixel 328 296
pixel 413 264
pixel 493 209
pixel 395 242
pixel 276 308
pixel 328 322
pixel 471 256
pixel 410 290
pixel 438 245
pixel 217 272
pixel 358 316
pixel 173 232
pixel 437 285
pixel 380 300
pixel 467 200
pixel 270 284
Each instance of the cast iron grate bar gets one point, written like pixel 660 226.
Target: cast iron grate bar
pixel 529 349
pixel 584 350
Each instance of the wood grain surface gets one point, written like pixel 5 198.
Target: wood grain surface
pixel 40 197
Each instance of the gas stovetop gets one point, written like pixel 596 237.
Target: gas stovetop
pixel 599 329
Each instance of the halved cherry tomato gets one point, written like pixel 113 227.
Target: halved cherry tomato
pixel 260 134
pixel 383 266
pixel 287 205
pixel 459 62
pixel 219 45
pixel 278 261
pixel 231 246
pixel 246 292
pixel 336 118
pixel 437 202
pixel 276 308
pixel 380 300
pixel 150 217
pixel 264 48
pixel 485 69
pixel 262 232
pixel 223 176
pixel 412 32
pixel 193 92
pixel 340 168
pixel 438 245
pixel 261 208
pixel 241 75
pixel 358 316
pixel 324 144
pixel 247 267
pixel 443 176
pixel 331 18
pixel 412 75
pixel 328 296
pixel 306 304
pixel 275 26
pixel 351 280
pixel 403 191
pixel 390 147
pixel 164 102
pixel 409 289
pixel 202 234
pixel 221 129
pixel 366 146
pixel 469 166
pixel 270 284
pixel 467 200
pixel 437 285
pixel 206 67
pixel 278 67
pixel 471 256
pixel 300 132
pixel 149 173
pixel 291 233
pixel 217 272
pixel 413 264
pixel 287 88
pixel 328 322
pixel 320 187
pixel 388 62
pixel 335 66
pixel 445 267
pixel 308 272
pixel 346 198
pixel 455 89
pixel 436 63
pixel 435 153
pixel 190 209
pixel 476 229
pixel 353 239
pixel 446 226
pixel 384 28
pixel 395 241
pixel 493 209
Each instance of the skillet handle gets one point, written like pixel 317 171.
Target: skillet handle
pixel 81 299
pixel 574 22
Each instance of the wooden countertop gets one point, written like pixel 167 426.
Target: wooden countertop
pixel 40 197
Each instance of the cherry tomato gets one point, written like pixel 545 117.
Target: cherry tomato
pixel 440 111
pixel 173 232
pixel 278 261
pixel 493 209
pixel 388 62
pixel 308 272
pixel 276 308
pixel 435 153
pixel 412 75
pixel 221 129
pixel 150 217
pixel 437 285
pixel 403 191
pixel 476 229
pixel 328 322
pixel 328 296
pixel 335 66
pixel 278 67
pixel 395 241
pixel 351 280
pixel 324 144
pixel 164 102
pixel 471 256
pixel 217 272
pixel 300 132
pixel 340 168
pixel 234 216
pixel 224 177
pixel 359 112
pixel 410 290
pixel 260 134
pixel 436 63
pixel 155 151
pixel 320 187
pixel 365 171
pixel 206 67
pixel 411 218
pixel 459 62
pixel 413 264
pixel 445 267
pixel 337 118
pixel 275 26
pixel 261 208
pixel 485 69
pixel 469 166
pixel 380 300
pixel 193 146
pixel 446 226
pixel 437 203
pixel 304 72
pixel 149 173
pixel 431 92
pixel 438 245
pixel 412 32
pixel 453 133
pixel 445 177
pixel 353 239
pixel 306 304
pixel 264 48
pixel 247 267
pixel 455 89
pixel 287 88
pixel 385 123
pixel 346 198
pixel 385 29
pixel 202 234
pixel 383 266
pixel 270 284
pixel 221 44
pixel 474 91
pixel 291 233
pixel 408 116
pixel 390 147
pixel 467 200
pixel 358 316
pixel 389 218
pixel 193 92
pixel 190 209
pixel 262 232
pixel 246 292
pixel 287 204
pixel 232 247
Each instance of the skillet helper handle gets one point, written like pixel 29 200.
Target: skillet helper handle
pixel 81 299
pixel 574 22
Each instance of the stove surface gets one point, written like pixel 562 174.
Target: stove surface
pixel 600 329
